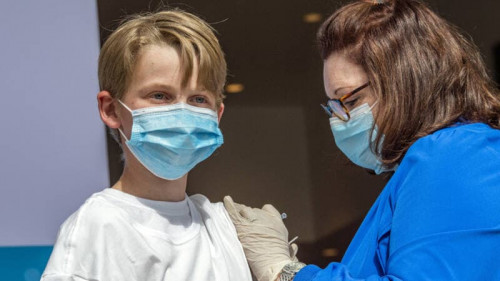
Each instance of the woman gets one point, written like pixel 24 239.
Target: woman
pixel 407 92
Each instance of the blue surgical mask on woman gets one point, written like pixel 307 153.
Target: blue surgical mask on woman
pixel 353 138
pixel 170 140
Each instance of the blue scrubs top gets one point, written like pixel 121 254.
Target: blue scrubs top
pixel 438 218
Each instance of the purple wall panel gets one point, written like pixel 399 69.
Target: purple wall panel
pixel 53 151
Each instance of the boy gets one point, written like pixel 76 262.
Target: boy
pixel 161 77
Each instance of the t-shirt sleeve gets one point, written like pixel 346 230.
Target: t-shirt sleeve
pixel 90 246
pixel 446 215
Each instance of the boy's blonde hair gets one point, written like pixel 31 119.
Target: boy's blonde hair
pixel 191 36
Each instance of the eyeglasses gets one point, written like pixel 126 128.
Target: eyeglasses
pixel 337 107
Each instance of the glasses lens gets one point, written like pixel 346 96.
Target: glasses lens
pixel 338 110
pixel 326 109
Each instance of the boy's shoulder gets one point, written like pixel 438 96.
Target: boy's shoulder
pixel 97 217
pixel 96 223
pixel 212 210
pixel 202 203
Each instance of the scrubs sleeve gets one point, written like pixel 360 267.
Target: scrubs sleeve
pixel 446 215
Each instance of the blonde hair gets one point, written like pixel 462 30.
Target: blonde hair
pixel 191 36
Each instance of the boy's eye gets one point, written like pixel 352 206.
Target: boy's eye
pixel 158 96
pixel 199 99
pixel 202 100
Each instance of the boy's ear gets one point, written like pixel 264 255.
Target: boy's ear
pixel 108 110
pixel 220 111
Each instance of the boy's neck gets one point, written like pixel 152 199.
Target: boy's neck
pixel 138 181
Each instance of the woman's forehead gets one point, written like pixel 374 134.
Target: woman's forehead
pixel 339 72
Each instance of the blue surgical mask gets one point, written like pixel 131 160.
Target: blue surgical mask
pixel 353 138
pixel 170 140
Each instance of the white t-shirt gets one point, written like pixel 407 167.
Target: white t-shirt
pixel 117 236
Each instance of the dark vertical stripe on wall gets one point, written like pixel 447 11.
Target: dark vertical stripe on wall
pixel 496 55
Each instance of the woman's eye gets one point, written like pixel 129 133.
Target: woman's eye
pixel 351 103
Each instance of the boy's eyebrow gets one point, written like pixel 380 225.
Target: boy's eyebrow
pixel 158 85
pixel 169 88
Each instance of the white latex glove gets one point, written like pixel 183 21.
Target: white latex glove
pixel 264 238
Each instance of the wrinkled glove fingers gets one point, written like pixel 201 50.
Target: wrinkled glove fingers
pixel 293 251
pixel 248 214
pixel 233 209
pixel 271 210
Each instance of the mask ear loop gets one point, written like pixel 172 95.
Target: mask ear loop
pixel 126 107
pixel 123 135
pixel 131 113
pixel 374 131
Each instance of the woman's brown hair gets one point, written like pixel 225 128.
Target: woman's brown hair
pixel 425 74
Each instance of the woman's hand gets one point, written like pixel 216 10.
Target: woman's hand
pixel 264 238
